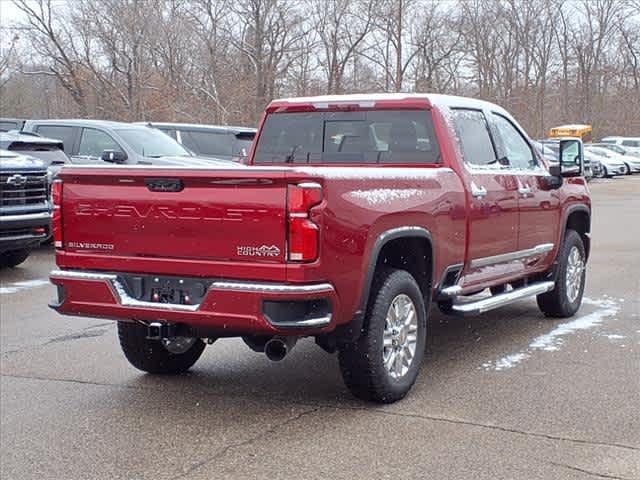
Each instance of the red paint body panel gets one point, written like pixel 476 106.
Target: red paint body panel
pixel 112 222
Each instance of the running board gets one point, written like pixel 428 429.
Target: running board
pixel 502 299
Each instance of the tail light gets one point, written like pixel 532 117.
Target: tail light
pixel 302 232
pixel 56 218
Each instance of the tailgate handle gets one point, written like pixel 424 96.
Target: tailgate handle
pixel 164 184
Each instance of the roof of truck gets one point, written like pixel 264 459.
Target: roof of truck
pixel 369 99
pixel 200 126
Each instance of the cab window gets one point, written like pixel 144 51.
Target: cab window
pixel 514 146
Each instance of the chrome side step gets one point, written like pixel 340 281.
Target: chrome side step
pixel 502 299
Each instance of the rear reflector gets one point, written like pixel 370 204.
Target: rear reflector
pixel 302 232
pixel 56 218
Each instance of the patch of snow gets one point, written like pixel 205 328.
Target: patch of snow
pixel 613 336
pixel 375 173
pixel 510 361
pixel 385 195
pixel 552 341
pixel 24 285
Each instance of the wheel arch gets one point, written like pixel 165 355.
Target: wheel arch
pixel 398 247
pixel 578 218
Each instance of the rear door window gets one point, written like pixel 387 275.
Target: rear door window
pixel 93 142
pixel 378 136
pixel 473 133
pixel 169 131
pixel 631 143
pixel 65 134
pixel 207 143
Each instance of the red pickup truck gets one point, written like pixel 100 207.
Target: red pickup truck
pixel 354 216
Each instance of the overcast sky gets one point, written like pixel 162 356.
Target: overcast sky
pixel 8 13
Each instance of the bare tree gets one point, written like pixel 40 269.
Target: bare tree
pixel 53 41
pixel 342 26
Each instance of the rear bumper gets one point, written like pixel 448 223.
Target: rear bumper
pixel 229 308
pixel 17 231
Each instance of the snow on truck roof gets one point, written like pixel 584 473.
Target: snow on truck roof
pixel 368 99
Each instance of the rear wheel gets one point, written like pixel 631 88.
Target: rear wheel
pixel 14 257
pixel 383 364
pixel 174 355
pixel 628 167
pixel 565 299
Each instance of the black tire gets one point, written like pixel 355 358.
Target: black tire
pixel 498 289
pixel 361 362
pixel 150 355
pixel 557 303
pixel 605 172
pixel 14 257
pixel 628 172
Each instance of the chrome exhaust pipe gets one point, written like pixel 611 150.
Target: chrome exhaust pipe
pixel 279 347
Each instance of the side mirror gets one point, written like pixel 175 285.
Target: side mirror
pixel 571 161
pixel 113 156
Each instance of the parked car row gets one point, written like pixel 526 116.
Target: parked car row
pixel 32 152
pixel 612 156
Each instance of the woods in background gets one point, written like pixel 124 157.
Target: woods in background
pixel 221 62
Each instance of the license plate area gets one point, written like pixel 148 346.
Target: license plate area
pixel 165 289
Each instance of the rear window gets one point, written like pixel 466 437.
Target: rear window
pixel 381 136
pixel 65 134
pixel 5 126
pixel 631 143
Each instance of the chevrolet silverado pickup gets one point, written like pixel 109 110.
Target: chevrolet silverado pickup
pixel 25 211
pixel 355 215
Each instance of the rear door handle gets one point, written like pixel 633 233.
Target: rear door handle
pixel 478 192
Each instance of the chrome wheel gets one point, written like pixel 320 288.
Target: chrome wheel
pixel 178 345
pixel 573 278
pixel 400 336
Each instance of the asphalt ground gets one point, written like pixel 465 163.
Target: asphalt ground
pixel 507 395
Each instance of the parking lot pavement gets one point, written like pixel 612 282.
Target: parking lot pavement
pixel 507 395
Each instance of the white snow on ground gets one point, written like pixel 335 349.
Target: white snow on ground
pixel 17 286
pixel 552 341
pixel 614 336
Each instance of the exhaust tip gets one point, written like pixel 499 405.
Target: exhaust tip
pixel 275 350
pixel 278 347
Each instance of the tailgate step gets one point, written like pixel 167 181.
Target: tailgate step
pixel 496 301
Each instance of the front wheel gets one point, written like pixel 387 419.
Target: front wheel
pixel 383 364
pixel 628 167
pixel 565 299
pixel 175 355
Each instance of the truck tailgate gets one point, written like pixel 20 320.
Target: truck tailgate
pixel 226 215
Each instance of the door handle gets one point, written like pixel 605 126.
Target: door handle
pixel 478 192
pixel 524 190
